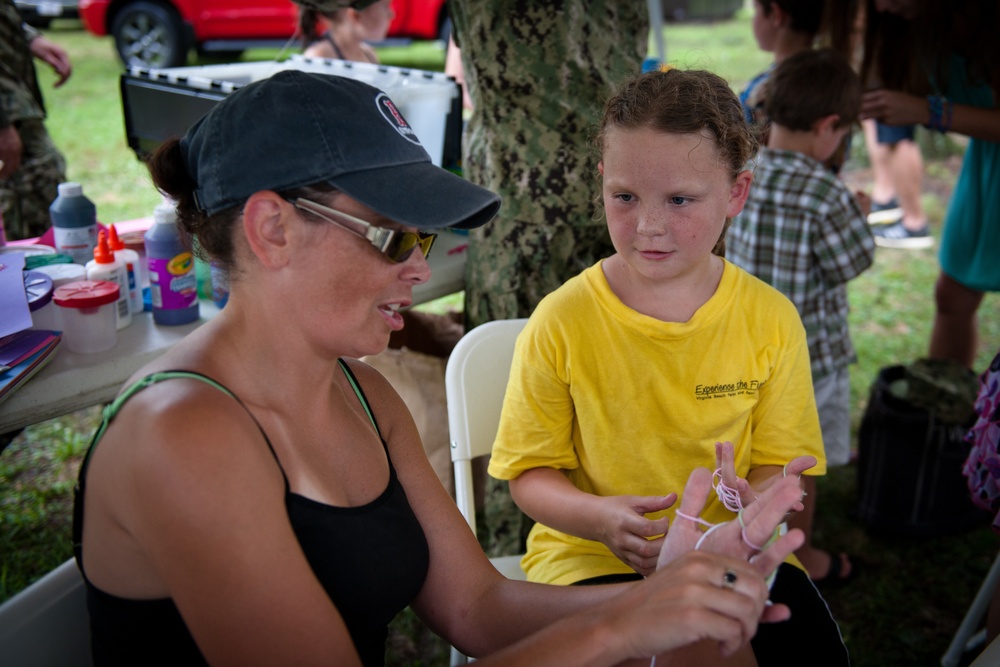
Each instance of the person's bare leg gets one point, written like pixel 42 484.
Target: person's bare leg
pixel 906 169
pixel 816 561
pixel 878 155
pixel 956 326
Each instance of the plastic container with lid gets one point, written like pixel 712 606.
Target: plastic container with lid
pixel 62 273
pixel 38 289
pixel 87 310
pixel 31 251
pixel 74 223
pixel 34 261
pixel 105 266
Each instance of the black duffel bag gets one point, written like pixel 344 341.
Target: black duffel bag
pixel 910 455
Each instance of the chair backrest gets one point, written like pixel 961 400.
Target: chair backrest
pixel 475 382
pixel 47 623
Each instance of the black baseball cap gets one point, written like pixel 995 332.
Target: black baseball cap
pixel 296 128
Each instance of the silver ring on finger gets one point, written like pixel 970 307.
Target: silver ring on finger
pixel 729 579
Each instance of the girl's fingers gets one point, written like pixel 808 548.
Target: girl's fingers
pixel 725 455
pixel 799 465
pixel 696 492
pixel 761 517
pixel 768 560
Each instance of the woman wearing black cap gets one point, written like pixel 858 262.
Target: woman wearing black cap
pixel 258 496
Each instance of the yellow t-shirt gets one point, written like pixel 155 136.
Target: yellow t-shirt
pixel 628 404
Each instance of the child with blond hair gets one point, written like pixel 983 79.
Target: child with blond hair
pixel 626 377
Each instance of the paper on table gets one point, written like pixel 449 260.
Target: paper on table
pixel 17 347
pixel 21 373
pixel 14 312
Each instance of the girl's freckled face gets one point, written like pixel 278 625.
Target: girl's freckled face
pixel 667 197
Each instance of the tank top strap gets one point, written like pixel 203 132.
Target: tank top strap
pixel 336 49
pixel 356 386
pixel 111 411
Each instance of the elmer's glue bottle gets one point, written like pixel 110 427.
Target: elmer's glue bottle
pixel 172 280
pixel 130 258
pixel 105 266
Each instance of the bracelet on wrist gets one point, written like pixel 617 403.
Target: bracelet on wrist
pixel 941 111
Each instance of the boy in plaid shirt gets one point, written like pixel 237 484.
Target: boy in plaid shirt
pixel 803 232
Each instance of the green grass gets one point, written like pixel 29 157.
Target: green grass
pixel 37 474
pixel 726 48
pixel 911 594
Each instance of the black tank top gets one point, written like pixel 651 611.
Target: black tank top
pixel 371 560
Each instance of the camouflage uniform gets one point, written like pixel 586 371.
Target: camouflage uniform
pixel 538 72
pixel 25 197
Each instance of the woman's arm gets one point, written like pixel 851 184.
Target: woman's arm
pixel 672 609
pixel 619 522
pixel 465 600
pixel 683 610
pixel 896 108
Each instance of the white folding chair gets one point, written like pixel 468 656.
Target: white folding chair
pixel 966 638
pixel 475 382
pixel 46 624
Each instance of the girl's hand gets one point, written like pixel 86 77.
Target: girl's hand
pixel 892 107
pixel 731 539
pixel 626 531
pixel 764 477
pixel 725 460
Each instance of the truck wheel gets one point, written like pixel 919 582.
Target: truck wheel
pixel 148 34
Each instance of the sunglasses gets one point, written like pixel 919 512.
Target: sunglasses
pixel 395 244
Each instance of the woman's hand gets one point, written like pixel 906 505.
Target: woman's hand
pixel 700 596
pixel 892 107
pixel 625 530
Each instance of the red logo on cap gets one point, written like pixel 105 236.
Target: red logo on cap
pixel 389 111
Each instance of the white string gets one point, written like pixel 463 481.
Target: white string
pixel 729 496
pixel 705 535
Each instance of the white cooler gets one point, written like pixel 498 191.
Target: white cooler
pixel 162 103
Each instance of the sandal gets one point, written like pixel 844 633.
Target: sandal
pixel 833 576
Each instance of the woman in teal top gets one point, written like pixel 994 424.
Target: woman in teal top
pixel 940 63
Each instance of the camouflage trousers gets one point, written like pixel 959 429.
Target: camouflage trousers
pixel 511 265
pixel 25 197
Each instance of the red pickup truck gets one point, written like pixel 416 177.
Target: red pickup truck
pixel 160 33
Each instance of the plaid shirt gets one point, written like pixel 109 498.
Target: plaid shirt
pixel 802 232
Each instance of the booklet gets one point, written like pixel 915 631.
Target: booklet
pixel 17 375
